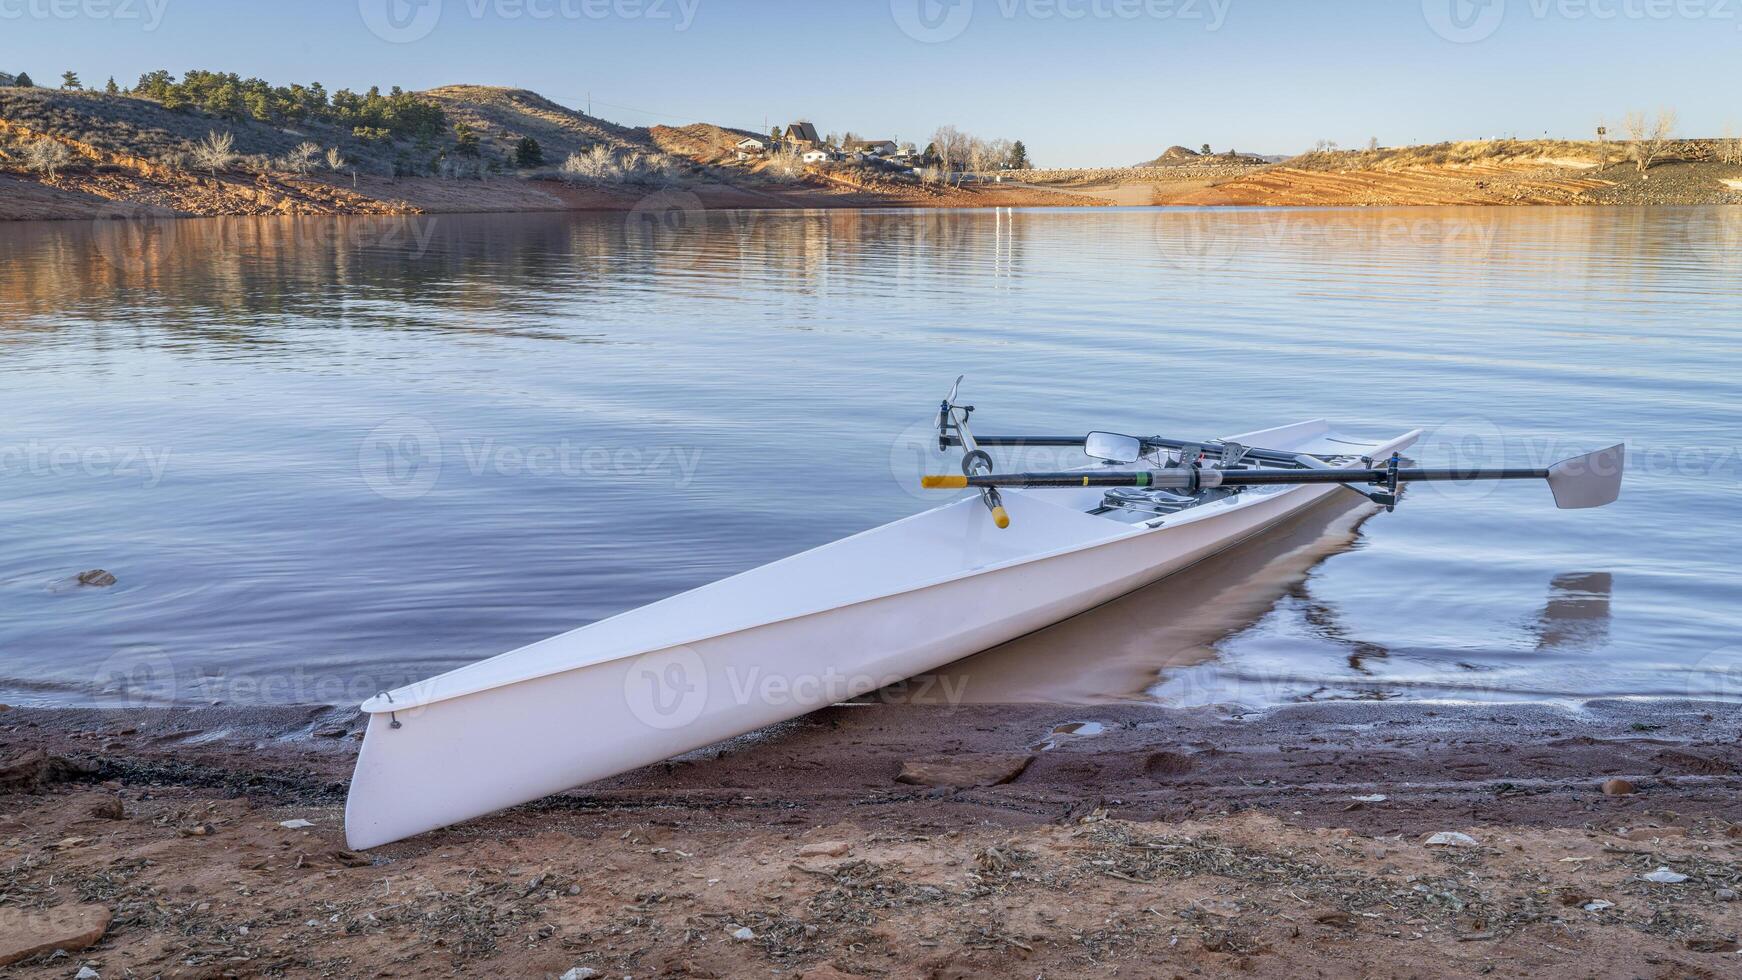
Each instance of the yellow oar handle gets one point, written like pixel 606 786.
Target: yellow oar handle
pixel 1000 517
pixel 944 482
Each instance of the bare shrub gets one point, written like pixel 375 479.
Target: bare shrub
pixel 216 152
pixel 1649 139
pixel 335 159
pixel 599 164
pixel 1729 149
pixel 301 159
pixel 596 164
pixel 46 157
pixel 785 164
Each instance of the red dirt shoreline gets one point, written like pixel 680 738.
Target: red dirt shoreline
pixel 1176 842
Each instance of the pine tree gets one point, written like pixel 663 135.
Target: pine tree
pixel 1206 150
pixel 112 88
pixel 23 80
pixel 69 80
pixel 528 154
pixel 465 141
pixel 1018 156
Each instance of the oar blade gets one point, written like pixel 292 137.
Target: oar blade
pixel 1591 480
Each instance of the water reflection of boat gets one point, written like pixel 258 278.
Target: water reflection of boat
pixel 1577 613
pixel 1115 652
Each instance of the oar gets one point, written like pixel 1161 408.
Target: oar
pixel 1591 480
pixel 976 461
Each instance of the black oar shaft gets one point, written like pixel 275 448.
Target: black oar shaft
pixel 1197 479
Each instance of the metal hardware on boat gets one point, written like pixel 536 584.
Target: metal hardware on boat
pixel 392 717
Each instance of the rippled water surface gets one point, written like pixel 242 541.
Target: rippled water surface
pixel 325 457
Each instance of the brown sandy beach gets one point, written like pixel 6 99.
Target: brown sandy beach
pixel 904 840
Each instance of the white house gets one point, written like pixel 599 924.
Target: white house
pixel 752 144
pixel 873 148
pixel 7 80
pixel 817 156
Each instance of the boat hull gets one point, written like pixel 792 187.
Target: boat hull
pixel 439 761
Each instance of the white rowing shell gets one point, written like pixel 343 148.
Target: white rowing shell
pixel 777 642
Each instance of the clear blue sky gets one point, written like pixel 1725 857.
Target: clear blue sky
pixel 1080 81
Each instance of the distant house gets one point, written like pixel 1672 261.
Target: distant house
pixel 873 148
pixel 802 134
pixel 817 156
pixel 8 80
pixel 751 146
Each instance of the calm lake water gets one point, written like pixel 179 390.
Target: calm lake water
pixel 327 457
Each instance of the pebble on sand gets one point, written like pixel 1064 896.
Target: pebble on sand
pixel 1619 787
pixel 964 770
pixel 827 848
pixel 1449 838
pixel 581 973
pixel 96 578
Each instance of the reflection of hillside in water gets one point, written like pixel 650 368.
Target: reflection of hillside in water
pixel 239 282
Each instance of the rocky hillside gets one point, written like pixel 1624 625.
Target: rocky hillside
pixel 502 116
pixel 1179 156
pixel 143 130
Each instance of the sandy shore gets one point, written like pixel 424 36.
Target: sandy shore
pixel 906 840
pixel 121 194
